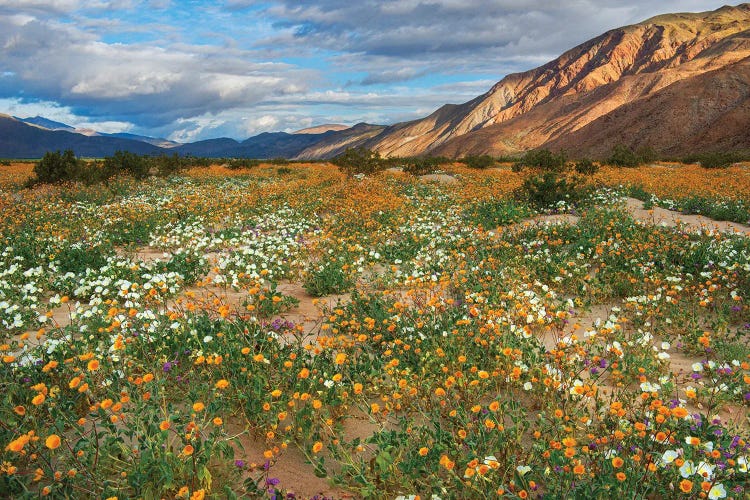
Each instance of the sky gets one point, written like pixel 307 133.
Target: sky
pixel 193 70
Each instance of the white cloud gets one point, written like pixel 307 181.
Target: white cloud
pixel 260 123
pixel 56 62
pixel 107 127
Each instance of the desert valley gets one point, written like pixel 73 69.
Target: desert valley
pixel 543 292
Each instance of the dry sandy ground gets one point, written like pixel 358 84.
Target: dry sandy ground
pixel 439 178
pixel 663 217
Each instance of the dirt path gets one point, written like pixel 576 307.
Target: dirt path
pixel 439 178
pixel 670 218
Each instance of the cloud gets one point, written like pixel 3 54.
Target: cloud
pixel 449 35
pixel 392 76
pixel 155 85
pixel 261 123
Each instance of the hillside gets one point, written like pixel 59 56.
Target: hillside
pixel 43 122
pixel 708 112
pixel 338 142
pixel 319 129
pixel 527 110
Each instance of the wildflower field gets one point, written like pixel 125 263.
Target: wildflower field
pixel 293 332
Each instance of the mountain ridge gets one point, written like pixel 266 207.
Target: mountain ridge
pixel 626 75
pixel 657 47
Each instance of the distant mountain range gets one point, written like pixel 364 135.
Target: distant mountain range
pixel 679 83
pixel 32 137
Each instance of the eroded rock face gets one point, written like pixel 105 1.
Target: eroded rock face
pixel 583 84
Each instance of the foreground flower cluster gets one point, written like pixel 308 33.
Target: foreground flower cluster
pixel 184 337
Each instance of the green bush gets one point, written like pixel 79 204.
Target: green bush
pixel 78 257
pixel 586 167
pixel 543 159
pixel 125 162
pixel 242 163
pixel 623 156
pixel 547 190
pixel 647 154
pixel 197 161
pixel 478 162
pixel 358 160
pixel 328 278
pixel 422 165
pixel 168 165
pixel 716 159
pixel 56 167
pixel 718 209
pixel 495 213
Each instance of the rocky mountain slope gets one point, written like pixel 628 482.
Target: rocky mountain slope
pixel 319 129
pixel 625 66
pixel 709 112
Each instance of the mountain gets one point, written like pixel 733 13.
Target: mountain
pixel 40 121
pixel 156 141
pixel 277 144
pixel 264 146
pixel 319 129
pixel 338 142
pixel 22 140
pixel 208 148
pixel 709 112
pixel 633 66
pixel 46 123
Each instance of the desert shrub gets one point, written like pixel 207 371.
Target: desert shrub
pixel 494 213
pixel 478 161
pixel 719 209
pixel 716 159
pixel 283 171
pixel 5 163
pixel 328 278
pixel 586 167
pixel 242 163
pixel 623 156
pixel 278 161
pixel 197 161
pixel 55 167
pixel 168 165
pixel 543 159
pixel 422 165
pixel 190 267
pixel 637 191
pixel 647 154
pixel 358 161
pixel 551 190
pixel 506 159
pixel 125 162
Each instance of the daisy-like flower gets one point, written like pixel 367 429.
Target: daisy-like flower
pixel 717 491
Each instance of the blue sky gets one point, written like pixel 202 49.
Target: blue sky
pixel 191 70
